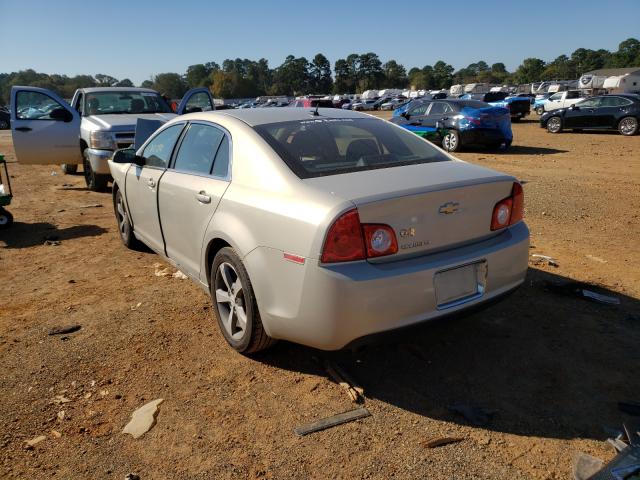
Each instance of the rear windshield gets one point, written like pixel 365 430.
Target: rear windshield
pixel 321 147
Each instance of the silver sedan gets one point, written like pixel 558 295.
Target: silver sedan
pixel 319 227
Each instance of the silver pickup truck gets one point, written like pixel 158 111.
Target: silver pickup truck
pixel 47 130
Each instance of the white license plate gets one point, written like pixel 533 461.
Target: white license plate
pixel 460 284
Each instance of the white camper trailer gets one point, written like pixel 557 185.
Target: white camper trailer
pixel 591 82
pixel 629 83
pixel 477 88
pixel 369 94
pixel 389 92
pixel 456 90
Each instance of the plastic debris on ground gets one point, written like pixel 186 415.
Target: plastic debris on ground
pixel 577 289
pixel 539 258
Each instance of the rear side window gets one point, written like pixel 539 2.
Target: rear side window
pixel 158 151
pixel 614 102
pixel 221 163
pixel 198 149
pixel 321 147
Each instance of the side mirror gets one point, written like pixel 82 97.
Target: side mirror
pixel 127 155
pixel 406 115
pixel 574 107
pixel 61 114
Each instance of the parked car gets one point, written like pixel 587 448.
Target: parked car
pixel 393 103
pixel 312 103
pixel 47 130
pixel 364 104
pixel 466 122
pixel 518 107
pixel 605 112
pixel 357 213
pixel 562 100
pixel 539 101
pixel 5 119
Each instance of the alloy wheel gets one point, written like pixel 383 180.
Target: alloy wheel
pixel 628 126
pixel 450 142
pixel 230 301
pixel 121 212
pixel 554 124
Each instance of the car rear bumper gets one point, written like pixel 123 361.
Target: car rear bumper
pixel 482 136
pixel 328 307
pixel 99 160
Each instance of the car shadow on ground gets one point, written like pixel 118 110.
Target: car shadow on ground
pixel 526 150
pixel 23 235
pixel 546 364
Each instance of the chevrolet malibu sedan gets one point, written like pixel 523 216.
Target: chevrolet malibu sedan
pixel 319 227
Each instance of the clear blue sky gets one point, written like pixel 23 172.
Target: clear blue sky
pixel 140 38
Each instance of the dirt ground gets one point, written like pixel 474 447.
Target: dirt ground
pixel 551 367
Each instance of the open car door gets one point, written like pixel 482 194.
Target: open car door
pixel 45 129
pixel 196 100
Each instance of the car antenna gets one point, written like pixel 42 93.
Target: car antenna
pixel 315 112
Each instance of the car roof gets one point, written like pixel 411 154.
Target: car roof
pixel 116 89
pixel 264 116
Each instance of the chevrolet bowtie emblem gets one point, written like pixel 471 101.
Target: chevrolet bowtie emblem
pixel 449 208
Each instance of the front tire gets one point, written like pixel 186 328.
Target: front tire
pixel 628 126
pixel 94 181
pixel 69 169
pixel 451 141
pixel 235 304
pixel 6 219
pixel 540 110
pixel 124 224
pixel 554 125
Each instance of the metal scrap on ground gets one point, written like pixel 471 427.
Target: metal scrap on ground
pixel 582 290
pixel 332 421
pixel 64 330
pixel 441 441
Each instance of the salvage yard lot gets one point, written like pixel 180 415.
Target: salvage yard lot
pixel 551 367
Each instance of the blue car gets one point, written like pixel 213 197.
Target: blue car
pixel 455 123
pixel 519 107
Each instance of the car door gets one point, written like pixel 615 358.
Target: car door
pixel 582 114
pixel 415 114
pixel 196 100
pixel 190 191
pixel 141 185
pixel 437 114
pixel 554 102
pixel 611 108
pixel 45 129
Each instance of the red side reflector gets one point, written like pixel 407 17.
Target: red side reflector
pixel 293 258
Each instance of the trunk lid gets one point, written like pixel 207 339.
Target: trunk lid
pixel 431 207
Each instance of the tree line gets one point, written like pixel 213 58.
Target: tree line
pixel 244 78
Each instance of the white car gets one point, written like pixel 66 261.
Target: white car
pixel 320 227
pixel 562 100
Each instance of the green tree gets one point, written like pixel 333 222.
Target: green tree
pixel 170 84
pixel 320 74
pixel 292 77
pixel 627 55
pixel 125 82
pixel 442 74
pixel 530 71
pixel 369 71
pixel 395 74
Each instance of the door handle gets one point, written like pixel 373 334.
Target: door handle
pixel 23 129
pixel 202 197
pixel 151 182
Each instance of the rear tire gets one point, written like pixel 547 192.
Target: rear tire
pixel 94 181
pixel 4 125
pixel 235 304
pixel 451 141
pixel 69 169
pixel 6 219
pixel 628 126
pixel 554 125
pixel 540 110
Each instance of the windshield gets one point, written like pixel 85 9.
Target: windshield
pixel 108 103
pixel 321 147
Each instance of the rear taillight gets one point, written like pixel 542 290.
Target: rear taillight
pixel 379 240
pixel 508 210
pixel 349 240
pixel 473 120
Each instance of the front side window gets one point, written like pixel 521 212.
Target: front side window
pixel 320 147
pixel 420 109
pixel 157 153
pixel 555 96
pixel 37 106
pixel 119 102
pixel 198 149
pixel 199 102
